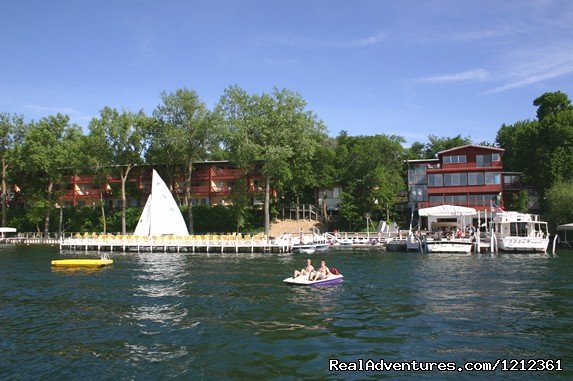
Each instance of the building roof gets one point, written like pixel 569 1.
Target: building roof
pixel 421 160
pixel 447 211
pixel 471 145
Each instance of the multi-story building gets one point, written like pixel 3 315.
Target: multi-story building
pixel 213 183
pixel 470 175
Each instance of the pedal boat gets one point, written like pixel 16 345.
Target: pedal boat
pixel 302 280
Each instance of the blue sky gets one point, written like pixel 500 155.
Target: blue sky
pixel 411 68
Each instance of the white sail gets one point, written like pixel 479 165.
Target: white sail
pixel 144 224
pixel 161 215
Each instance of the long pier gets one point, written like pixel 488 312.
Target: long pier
pixel 196 243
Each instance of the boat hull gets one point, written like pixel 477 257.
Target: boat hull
pixel 397 244
pixel 449 246
pixel 304 249
pixel 82 262
pixel 523 244
pixel 302 280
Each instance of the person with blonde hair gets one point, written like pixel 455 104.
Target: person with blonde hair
pixel 306 270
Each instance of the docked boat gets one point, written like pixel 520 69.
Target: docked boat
pixel 514 231
pixel 321 246
pixel 448 245
pixel 304 249
pixel 447 229
pixel 344 242
pixel 302 280
pixel 397 244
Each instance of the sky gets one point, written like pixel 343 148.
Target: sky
pixel 410 68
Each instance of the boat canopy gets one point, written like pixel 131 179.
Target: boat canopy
pixel 5 230
pixel 565 227
pixel 447 211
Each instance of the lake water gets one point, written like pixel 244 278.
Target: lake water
pixel 228 316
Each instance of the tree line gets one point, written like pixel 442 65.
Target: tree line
pixel 273 134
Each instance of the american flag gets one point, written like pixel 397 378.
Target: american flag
pixel 495 208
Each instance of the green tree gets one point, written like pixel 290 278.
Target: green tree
pixel 436 144
pixel 11 137
pixel 417 151
pixel 266 132
pixel 519 201
pixel 541 149
pixel 189 133
pixel 49 152
pixel 551 104
pixel 124 137
pixel 559 203
pixel 519 141
pixel 555 149
pixel 368 175
pixel 98 163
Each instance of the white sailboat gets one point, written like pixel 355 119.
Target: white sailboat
pixel 161 215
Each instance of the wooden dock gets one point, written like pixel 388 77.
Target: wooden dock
pixel 196 243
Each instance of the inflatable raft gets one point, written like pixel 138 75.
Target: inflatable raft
pixel 82 262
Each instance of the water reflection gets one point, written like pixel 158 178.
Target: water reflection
pixel 161 274
pixel 80 270
pixel 160 281
pixel 488 299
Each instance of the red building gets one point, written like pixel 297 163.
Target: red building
pixel 212 183
pixel 470 175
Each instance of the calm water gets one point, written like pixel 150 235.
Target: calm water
pixel 227 316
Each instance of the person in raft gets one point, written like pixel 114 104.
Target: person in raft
pixel 307 270
pixel 322 272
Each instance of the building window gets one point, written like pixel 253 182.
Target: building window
pixel 512 181
pixel 417 174
pixel 416 178
pixel 436 199
pixel 481 199
pixel 199 201
pixel 418 193
pixel 455 179
pixel 456 199
pixel 486 160
pixel 492 178
pixel 454 159
pixel 475 178
pixel 435 180
pixel 336 191
pixel 417 168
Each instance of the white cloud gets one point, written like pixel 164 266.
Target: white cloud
pixel 73 114
pixel 466 76
pixel 371 40
pixel 306 43
pixel 533 65
pixel 467 36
